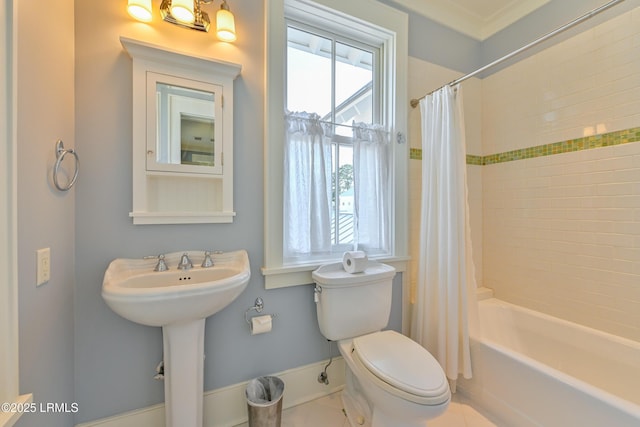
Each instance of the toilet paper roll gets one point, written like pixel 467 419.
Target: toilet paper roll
pixel 260 324
pixel 355 261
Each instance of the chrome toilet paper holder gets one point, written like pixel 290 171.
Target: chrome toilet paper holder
pixel 258 306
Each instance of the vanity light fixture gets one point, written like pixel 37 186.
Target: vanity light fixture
pixel 225 23
pixel 140 9
pixel 183 11
pixel 188 14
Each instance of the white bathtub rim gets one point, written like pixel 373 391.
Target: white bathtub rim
pixel 601 334
pixel 609 398
pixel 617 402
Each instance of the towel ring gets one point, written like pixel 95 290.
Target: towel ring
pixel 60 153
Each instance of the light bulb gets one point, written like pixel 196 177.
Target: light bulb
pixel 226 26
pixel 140 10
pixel 182 11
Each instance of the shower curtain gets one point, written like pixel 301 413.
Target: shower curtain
pixel 446 283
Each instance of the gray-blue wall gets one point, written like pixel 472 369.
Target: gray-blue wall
pixel 45 112
pixel 436 43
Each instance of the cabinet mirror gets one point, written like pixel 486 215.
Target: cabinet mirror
pixel 186 138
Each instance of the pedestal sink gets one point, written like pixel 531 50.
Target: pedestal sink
pixel 179 301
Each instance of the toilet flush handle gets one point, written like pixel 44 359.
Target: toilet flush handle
pixel 316 294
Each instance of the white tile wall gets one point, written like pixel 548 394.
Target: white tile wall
pixel 587 83
pixel 562 233
pixel 559 234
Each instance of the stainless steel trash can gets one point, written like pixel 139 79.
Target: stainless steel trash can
pixel 264 401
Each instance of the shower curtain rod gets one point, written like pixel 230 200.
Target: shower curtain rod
pixel 588 15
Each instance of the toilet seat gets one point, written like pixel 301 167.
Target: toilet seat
pixel 402 367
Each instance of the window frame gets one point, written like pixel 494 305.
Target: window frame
pixel 364 20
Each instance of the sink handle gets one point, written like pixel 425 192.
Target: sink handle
pixel 207 262
pixel 161 265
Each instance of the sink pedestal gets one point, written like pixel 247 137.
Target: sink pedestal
pixel 183 373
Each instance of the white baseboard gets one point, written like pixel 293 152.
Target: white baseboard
pixel 227 407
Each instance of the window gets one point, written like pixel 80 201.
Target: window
pixel 336 80
pixel 333 67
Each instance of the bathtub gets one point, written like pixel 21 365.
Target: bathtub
pixel 531 369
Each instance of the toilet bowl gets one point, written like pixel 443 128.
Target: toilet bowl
pixel 391 381
pixel 402 383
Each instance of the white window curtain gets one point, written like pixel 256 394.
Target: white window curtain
pixel 372 183
pixel 307 186
pixel 446 284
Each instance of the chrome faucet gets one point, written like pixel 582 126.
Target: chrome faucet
pixel 185 262
pixel 207 262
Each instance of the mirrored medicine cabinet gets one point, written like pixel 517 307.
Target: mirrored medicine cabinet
pixel 182 136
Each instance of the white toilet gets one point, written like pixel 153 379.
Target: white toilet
pixel 391 381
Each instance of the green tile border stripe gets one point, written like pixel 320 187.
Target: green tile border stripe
pixel 415 153
pixel 587 143
pixel 475 160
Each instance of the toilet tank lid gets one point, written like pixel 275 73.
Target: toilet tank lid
pixel 335 275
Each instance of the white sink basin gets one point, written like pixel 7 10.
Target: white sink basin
pixel 133 290
pixel 179 301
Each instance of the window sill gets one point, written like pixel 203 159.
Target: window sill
pixel 282 277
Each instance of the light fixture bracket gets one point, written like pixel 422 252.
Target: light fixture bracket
pixel 201 22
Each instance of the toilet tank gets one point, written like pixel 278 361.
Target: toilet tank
pixel 349 305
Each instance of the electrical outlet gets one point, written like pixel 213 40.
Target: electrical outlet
pixel 43 266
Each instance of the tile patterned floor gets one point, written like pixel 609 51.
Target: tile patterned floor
pixel 327 412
